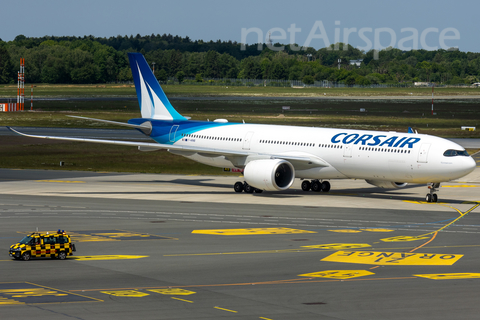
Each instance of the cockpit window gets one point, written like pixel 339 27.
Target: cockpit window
pixel 454 153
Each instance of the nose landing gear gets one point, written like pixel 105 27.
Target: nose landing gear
pixel 432 196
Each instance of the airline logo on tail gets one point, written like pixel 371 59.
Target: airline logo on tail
pixel 153 102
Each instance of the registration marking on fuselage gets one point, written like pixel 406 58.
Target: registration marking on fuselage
pixel 250 231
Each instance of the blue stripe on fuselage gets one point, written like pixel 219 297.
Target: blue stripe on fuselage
pixel 161 128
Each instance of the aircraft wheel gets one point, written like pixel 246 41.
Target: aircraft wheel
pixel 248 188
pixel 316 186
pixel 434 197
pixel 428 198
pixel 306 185
pixel 238 186
pixel 325 186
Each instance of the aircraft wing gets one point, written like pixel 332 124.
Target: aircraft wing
pixel 300 162
pixel 145 146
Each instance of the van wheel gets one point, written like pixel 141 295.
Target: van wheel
pixel 26 256
pixel 62 255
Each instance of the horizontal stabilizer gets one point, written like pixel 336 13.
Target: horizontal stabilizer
pixel 145 127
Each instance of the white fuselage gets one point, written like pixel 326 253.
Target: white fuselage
pixel 353 154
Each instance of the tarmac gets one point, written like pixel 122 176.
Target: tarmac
pixel 189 247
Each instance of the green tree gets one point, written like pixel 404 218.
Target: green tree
pixel 212 64
pixel 162 75
pixel 250 68
pixel 180 75
pixel 308 80
pixel 6 67
pixel 350 80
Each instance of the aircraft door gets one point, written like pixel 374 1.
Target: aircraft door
pixel 246 141
pixel 347 151
pixel 423 153
pixel 173 132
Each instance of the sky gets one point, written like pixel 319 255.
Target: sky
pixel 367 24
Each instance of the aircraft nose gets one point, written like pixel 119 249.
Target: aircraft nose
pixel 469 165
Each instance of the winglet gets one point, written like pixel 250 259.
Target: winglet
pixel 153 102
pixel 14 131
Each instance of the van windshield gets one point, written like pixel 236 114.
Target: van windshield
pixel 26 240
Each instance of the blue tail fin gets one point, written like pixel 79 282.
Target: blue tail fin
pixel 153 102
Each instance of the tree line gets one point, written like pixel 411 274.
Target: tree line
pixel 91 59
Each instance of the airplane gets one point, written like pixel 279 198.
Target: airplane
pixel 272 156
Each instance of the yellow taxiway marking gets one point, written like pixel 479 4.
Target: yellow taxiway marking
pixel 226 309
pixel 345 231
pixel 182 300
pixel 61 181
pixel 377 230
pixel 126 293
pixel 250 231
pixel 462 214
pixel 338 246
pixel 403 239
pixel 173 291
pixel 107 257
pixel 32 292
pixel 338 274
pixel 28 293
pixel 393 258
pixel 313 250
pixel 9 301
pixel 449 276
pixel 423 236
pixel 462 186
pixel 423 202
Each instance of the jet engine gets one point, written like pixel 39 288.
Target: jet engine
pixel 269 174
pixel 387 184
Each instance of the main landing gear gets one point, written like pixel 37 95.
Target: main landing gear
pixel 315 185
pixel 432 196
pixel 243 186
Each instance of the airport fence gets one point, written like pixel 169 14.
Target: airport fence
pixel 294 83
pixel 279 83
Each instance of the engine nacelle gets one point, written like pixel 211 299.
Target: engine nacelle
pixel 387 184
pixel 269 174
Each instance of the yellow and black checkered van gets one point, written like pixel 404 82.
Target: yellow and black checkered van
pixel 42 245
